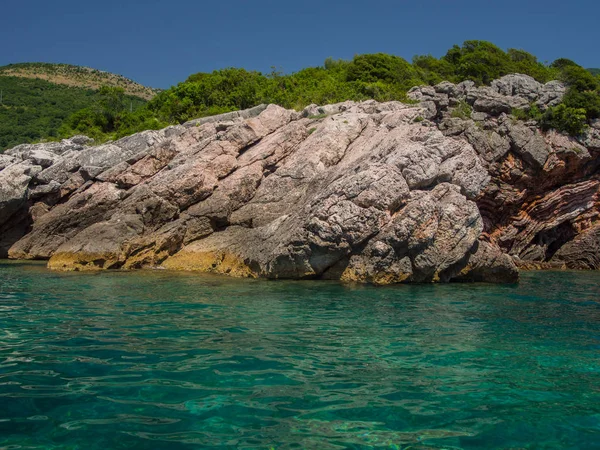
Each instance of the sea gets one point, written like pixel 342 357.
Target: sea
pixel 174 360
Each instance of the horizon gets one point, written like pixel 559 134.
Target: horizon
pixel 166 48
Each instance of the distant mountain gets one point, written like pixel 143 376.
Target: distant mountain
pixel 77 76
pixel 35 98
pixel 595 71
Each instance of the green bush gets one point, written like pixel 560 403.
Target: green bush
pixel 462 111
pixel 565 119
pixel 520 114
pixel 377 76
pixel 482 62
pixel 381 67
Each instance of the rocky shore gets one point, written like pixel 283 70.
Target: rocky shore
pixel 450 188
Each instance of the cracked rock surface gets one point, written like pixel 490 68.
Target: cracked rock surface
pixel 365 192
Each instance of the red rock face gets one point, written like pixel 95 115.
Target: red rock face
pixel 532 212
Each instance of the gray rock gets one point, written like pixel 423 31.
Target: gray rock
pixel 363 191
pixel 453 126
pixel 60 172
pixel 463 87
pixel 432 100
pixel 445 87
pixel 7 160
pixel 57 148
pixel 486 100
pixel 488 263
pixel 42 158
pixel 273 195
pixel 583 252
pixel 91 172
pixel 517 85
pixel 66 220
pixel 100 246
pixel 479 116
pixel 245 114
pixel 551 94
pixel 81 140
pixel 527 142
pixel 591 136
pixel 43 190
pixel 510 92
pixel 14 183
pixel 489 144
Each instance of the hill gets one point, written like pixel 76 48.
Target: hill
pixel 34 109
pixel 77 76
pixel 595 71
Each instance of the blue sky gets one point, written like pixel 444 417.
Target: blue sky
pixel 160 43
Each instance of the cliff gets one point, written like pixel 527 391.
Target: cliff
pixel 542 203
pixel 370 192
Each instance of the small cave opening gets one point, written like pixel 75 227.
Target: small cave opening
pixel 553 239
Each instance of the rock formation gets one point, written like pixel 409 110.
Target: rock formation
pixel 368 192
pixel 542 202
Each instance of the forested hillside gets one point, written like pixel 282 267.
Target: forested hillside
pixel 32 109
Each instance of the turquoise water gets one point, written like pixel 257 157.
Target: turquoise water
pixel 153 360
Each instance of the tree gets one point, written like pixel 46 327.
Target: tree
pixel 111 103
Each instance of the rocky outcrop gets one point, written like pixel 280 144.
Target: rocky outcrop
pixel 582 252
pixel 502 96
pixel 365 194
pixel 544 193
pixel 368 192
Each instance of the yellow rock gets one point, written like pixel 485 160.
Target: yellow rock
pixel 213 262
pixel 83 261
pixel 380 278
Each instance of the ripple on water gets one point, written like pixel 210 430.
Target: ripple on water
pixel 168 360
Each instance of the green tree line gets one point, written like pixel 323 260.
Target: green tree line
pixel 379 76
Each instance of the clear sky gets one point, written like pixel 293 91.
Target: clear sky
pixel 159 43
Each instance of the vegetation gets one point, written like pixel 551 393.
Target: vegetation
pixel 463 110
pixel 580 104
pixel 374 76
pixel 36 109
pixel 381 77
pixel 565 118
pixel 482 62
pixel 107 114
pixel 77 76
pixel 111 115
